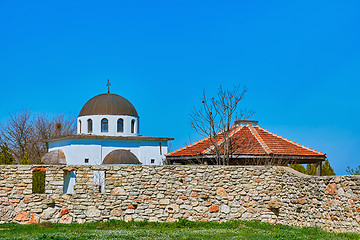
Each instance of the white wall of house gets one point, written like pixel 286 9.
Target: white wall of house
pixel 82 125
pixel 69 181
pixel 95 150
pixel 150 154
pixel 99 180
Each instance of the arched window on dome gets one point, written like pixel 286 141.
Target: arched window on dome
pixel 133 126
pixel 120 125
pixel 80 126
pixel 90 126
pixel 104 125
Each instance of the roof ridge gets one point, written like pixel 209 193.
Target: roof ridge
pixel 259 139
pixel 212 147
pixel 297 144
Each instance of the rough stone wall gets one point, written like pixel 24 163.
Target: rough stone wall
pixel 199 193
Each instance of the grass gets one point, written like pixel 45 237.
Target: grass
pixel 182 229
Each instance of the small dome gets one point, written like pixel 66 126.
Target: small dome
pixel 56 157
pixel 121 157
pixel 108 104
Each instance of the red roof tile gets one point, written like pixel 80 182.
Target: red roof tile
pixel 248 140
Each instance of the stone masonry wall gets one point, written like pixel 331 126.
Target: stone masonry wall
pixel 198 193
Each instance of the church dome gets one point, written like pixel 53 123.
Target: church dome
pixel 55 157
pixel 108 104
pixel 121 156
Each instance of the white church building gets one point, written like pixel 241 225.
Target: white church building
pixel 108 132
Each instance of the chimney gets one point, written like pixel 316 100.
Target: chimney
pixel 246 122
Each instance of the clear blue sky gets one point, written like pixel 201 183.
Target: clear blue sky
pixel 300 61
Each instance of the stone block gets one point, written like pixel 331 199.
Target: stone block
pixel 48 213
pixel 172 208
pixel 117 212
pixel 164 201
pixel 221 192
pixel 118 191
pixel 80 220
pixel 331 189
pixel 66 219
pixel 153 219
pixel 214 208
pixel 34 218
pixel 129 211
pixel 193 194
pixel 246 215
pixel 24 167
pixel 194 203
pixel 64 211
pixel 250 204
pixel 160 196
pixel 274 205
pixel 225 209
pixel 23 216
pixel 201 209
pixel 92 212
pixel 127 218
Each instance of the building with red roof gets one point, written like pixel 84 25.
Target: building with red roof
pixel 250 144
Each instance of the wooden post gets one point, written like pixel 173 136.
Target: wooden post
pixel 318 168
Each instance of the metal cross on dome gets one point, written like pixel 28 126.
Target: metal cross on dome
pixel 108 85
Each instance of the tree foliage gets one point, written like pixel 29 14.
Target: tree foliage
pixel 311 169
pixel 326 169
pixel 298 167
pixel 355 171
pixel 6 156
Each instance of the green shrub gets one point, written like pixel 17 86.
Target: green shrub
pixel 38 182
pixel 25 160
pixel 6 156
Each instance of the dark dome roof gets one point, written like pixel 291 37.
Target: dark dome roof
pixel 121 157
pixel 55 157
pixel 108 104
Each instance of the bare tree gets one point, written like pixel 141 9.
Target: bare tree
pixel 27 135
pixel 46 127
pixel 18 133
pixel 215 118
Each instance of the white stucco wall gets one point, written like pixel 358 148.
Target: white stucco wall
pixel 112 125
pixel 69 181
pixel 77 150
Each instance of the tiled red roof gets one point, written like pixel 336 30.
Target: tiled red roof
pixel 248 140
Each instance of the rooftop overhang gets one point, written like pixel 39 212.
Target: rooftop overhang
pixel 119 138
pixel 299 159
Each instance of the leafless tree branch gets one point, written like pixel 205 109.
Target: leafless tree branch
pixel 215 117
pixel 27 135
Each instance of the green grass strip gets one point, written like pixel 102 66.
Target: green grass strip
pixel 183 229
